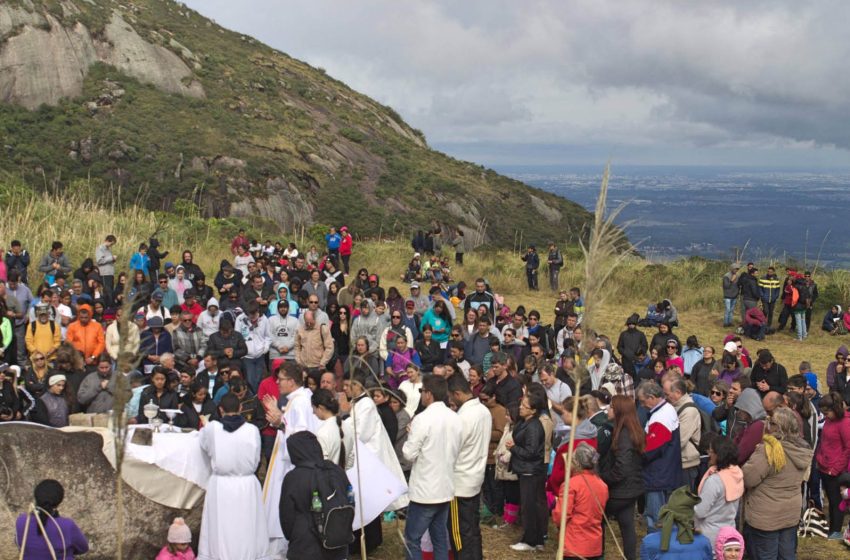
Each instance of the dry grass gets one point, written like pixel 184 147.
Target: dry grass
pixel 497 544
pixel 693 285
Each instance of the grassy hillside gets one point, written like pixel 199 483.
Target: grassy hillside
pixel 272 139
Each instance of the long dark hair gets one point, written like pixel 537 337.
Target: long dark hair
pixel 48 495
pixel 625 418
pixel 323 397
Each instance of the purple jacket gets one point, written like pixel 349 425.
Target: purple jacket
pixel 36 546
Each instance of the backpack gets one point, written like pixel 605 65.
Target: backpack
pixel 333 524
pixel 707 425
pixel 795 296
pixel 51 323
pixel 804 294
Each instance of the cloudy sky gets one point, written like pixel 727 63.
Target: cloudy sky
pixel 500 82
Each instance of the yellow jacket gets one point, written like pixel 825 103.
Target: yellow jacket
pixel 43 337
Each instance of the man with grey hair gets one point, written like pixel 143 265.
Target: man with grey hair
pixel 690 424
pixel 662 471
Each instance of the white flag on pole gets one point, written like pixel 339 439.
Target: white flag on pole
pixel 380 486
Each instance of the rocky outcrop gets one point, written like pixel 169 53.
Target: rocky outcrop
pixel 282 203
pixel 31 453
pixel 42 61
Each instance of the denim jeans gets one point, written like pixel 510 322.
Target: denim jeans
pixel 655 500
pixel 255 369
pixel 771 545
pixel 730 307
pixel 431 518
pixel 800 317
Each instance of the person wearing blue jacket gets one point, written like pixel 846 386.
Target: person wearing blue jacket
pixel 141 261
pixel 771 288
pixel 333 240
pixel 662 459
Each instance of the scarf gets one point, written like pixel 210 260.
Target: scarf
pixel 774 452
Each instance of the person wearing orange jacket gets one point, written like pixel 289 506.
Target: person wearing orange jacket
pixel 86 335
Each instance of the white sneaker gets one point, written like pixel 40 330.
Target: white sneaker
pixel 522 547
pixel 540 548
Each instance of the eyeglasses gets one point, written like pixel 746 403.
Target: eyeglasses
pixel 739 347
pixel 39 359
pixel 163 281
pixel 718 393
pixel 673 346
pixel 396 316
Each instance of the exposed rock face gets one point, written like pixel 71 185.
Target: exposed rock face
pixel 283 204
pixel 31 453
pixel 45 61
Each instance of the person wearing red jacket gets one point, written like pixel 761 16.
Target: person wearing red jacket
pixel 833 456
pixel 586 432
pixel 345 247
pixel 585 503
pixel 268 386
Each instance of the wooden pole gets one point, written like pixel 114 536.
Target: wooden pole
pixel 568 463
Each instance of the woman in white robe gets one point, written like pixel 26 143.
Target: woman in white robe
pixel 233 526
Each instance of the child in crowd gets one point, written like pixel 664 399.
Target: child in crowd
pixel 729 545
pixel 179 545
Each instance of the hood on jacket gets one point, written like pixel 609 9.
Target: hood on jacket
pixel 724 536
pixel 212 303
pixel 750 402
pixel 842 350
pixel 304 449
pixel 633 319
pixel 586 430
pixel 798 452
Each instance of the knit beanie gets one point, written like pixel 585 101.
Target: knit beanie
pixel 179 532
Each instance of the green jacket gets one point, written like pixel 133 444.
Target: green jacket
pixel 679 510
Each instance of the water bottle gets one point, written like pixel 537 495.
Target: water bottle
pixel 349 495
pixel 316 504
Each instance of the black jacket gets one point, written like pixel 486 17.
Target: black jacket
pixel 631 341
pixel 776 377
pixel 18 262
pixel 508 392
pixel 529 445
pixel 204 379
pixel 842 386
pixel 660 340
pixel 296 519
pixel 431 355
pixel 167 400
pixel 749 285
pixel 622 469
pixel 389 420
pixel 191 418
pixel 155 255
pixel 701 376
pixel 218 342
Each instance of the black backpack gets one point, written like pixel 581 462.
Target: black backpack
pixel 707 426
pixel 334 523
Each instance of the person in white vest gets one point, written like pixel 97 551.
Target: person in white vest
pixel 432 446
pixel 295 416
pixel 476 425
pixel 365 423
pixel 233 525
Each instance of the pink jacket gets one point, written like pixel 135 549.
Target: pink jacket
pixel 165 554
pixel 833 455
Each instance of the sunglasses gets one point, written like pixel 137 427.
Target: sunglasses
pixel 718 393
pixel 313 301
pixel 396 316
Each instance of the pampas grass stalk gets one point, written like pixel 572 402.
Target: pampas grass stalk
pixel 602 255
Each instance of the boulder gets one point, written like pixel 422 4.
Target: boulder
pixel 31 453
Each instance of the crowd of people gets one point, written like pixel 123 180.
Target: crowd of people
pixel 471 402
